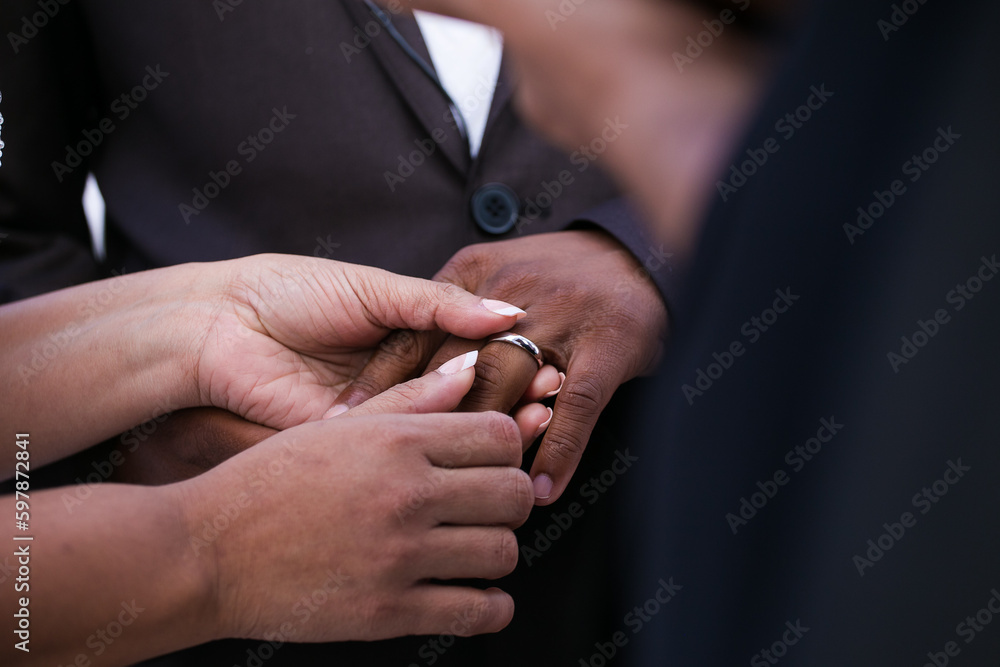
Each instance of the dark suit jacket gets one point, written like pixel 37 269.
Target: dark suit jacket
pixel 828 494
pixel 337 144
pixel 286 119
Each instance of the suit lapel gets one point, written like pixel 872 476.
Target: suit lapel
pixel 429 105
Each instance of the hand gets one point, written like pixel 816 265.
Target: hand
pixel 369 508
pixel 287 336
pixel 591 312
pixel 189 442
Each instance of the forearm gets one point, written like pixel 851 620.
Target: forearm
pixel 88 362
pixel 112 577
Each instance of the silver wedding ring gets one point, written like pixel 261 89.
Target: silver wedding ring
pixel 523 343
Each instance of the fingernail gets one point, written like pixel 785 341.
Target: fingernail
pixel 503 308
pixel 459 364
pixel 545 425
pixel 562 380
pixel 335 411
pixel 543 487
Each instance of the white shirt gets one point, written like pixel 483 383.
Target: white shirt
pixel 467 59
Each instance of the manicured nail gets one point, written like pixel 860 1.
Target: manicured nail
pixel 543 487
pixel 336 411
pixel 459 364
pixel 503 308
pixel 545 425
pixel 562 380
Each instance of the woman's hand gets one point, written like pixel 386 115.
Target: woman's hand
pixel 288 335
pixel 272 338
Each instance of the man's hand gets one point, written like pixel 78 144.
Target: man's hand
pixel 592 311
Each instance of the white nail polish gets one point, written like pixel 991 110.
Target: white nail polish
pixel 502 308
pixel 459 364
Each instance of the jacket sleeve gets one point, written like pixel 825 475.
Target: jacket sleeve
pixel 622 220
pixel 49 122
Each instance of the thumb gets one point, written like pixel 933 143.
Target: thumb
pixel 400 302
pixel 440 391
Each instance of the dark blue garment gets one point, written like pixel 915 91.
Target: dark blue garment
pixel 911 461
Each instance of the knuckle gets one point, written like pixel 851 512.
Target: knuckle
pixel 583 396
pixel 522 496
pixel 399 344
pixel 503 430
pixel 489 377
pixel 506 552
pixel 478 617
pixel 563 448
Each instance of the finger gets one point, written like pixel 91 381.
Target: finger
pixel 466 440
pixel 468 552
pixel 458 610
pixel 398 358
pixel 400 302
pixel 479 496
pixel 532 420
pixel 503 373
pixel 440 391
pixel 584 395
pixel 546 384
